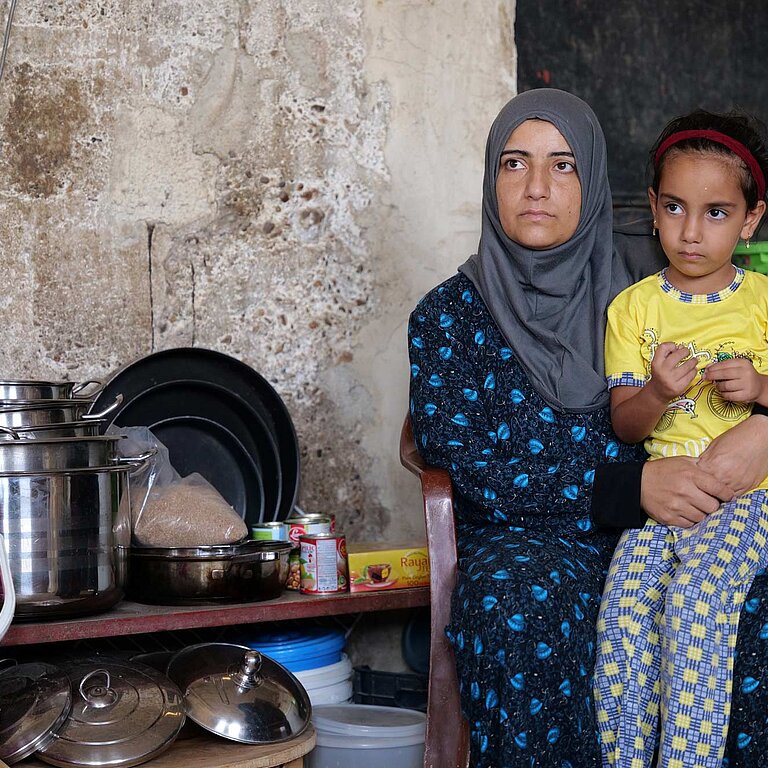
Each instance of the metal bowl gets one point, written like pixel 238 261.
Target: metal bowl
pixel 246 572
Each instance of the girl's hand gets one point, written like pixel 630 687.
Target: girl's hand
pixel 737 380
pixel 670 376
pixel 738 457
pixel 676 491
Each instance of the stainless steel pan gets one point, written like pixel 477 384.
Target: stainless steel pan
pixel 28 389
pixel 33 413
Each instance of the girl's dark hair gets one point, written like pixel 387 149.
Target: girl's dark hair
pixel 742 126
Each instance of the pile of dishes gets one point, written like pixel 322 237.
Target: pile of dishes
pixel 218 417
pixel 65 532
pixel 113 712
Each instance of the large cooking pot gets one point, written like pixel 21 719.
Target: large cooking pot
pixel 31 413
pixel 67 537
pixel 26 389
pixel 248 571
pixel 56 453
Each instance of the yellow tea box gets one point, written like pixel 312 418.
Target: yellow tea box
pixel 374 566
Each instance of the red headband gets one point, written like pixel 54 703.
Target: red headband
pixel 720 138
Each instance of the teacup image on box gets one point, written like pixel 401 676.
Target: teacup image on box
pixel 399 566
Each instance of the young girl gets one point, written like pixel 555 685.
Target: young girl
pixel 686 358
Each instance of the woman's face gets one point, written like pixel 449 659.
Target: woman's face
pixel 538 189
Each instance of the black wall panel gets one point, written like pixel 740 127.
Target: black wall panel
pixel 639 64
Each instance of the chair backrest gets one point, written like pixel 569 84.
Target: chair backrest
pixel 447 740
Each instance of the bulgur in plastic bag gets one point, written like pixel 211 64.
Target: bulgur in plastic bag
pixel 168 510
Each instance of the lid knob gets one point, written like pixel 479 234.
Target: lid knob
pixel 98 696
pixel 248 674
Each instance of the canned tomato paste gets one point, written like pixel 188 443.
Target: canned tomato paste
pixel 323 564
pixel 297 527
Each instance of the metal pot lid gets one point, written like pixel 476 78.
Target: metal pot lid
pixel 34 701
pixel 123 713
pixel 240 694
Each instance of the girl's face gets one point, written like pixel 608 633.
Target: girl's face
pixel 537 189
pixel 700 212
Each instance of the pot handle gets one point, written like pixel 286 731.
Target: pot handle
pixel 80 386
pixel 105 412
pixel 9 593
pixel 10 431
pixel 136 462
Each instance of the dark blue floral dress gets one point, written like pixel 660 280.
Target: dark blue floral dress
pixel 531 564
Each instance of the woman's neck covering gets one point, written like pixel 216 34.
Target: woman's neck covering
pixel 550 304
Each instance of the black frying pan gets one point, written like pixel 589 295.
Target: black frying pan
pixel 241 433
pixel 176 368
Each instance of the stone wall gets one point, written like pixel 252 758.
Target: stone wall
pixel 277 180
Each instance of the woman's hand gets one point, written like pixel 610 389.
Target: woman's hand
pixel 677 491
pixel 739 457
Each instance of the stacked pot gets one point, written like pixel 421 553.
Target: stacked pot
pixel 66 533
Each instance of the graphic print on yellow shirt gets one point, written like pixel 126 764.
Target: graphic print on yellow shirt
pixel 718 326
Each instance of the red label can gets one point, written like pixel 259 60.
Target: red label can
pixel 323 564
pixel 297 527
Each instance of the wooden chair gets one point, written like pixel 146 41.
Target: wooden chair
pixel 447 740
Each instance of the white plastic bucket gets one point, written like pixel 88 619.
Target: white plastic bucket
pixel 331 684
pixel 352 735
pixel 338 693
pixel 328 675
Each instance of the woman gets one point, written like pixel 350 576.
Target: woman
pixel 508 394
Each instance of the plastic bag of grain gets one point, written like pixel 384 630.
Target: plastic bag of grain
pixel 168 510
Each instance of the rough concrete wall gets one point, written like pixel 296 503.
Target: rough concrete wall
pixel 278 180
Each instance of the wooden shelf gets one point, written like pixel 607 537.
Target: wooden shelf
pixel 128 618
pixel 209 751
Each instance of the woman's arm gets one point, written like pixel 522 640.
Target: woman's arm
pixel 739 456
pixel 673 491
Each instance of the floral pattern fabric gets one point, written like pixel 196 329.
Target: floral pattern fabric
pixel 531 563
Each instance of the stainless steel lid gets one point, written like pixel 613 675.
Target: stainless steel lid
pixel 250 549
pixel 34 701
pixel 240 694
pixel 123 713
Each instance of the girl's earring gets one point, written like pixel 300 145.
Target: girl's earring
pixel 746 242
pixel 654 227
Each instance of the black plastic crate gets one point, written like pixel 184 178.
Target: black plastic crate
pixel 390 689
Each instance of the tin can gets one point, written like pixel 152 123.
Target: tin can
pixel 297 527
pixel 271 531
pixel 323 564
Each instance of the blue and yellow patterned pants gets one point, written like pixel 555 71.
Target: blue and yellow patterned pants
pixel 667 632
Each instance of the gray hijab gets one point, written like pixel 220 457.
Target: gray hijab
pixel 550 305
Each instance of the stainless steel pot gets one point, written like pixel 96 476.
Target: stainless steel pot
pixel 58 453
pixel 28 389
pixel 67 537
pixel 249 571
pixel 32 413
pixel 65 429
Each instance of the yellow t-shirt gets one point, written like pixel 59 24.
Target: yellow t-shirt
pixel 716 326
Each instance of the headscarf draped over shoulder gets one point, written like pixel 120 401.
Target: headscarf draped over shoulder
pixel 550 304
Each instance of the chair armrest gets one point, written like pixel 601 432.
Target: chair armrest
pixel 447 740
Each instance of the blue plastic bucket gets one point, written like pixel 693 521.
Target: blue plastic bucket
pixel 299 650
